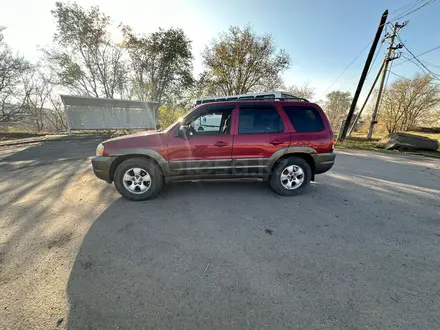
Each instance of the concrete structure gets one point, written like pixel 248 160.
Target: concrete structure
pixel 88 113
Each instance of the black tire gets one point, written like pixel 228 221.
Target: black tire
pixel 275 178
pixel 146 165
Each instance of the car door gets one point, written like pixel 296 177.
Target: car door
pixel 206 149
pixel 260 133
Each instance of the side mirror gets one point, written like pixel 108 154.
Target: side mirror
pixel 183 131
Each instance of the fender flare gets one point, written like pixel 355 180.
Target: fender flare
pixel 163 163
pixel 292 150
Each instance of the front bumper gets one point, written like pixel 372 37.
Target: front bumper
pixel 324 162
pixel 102 166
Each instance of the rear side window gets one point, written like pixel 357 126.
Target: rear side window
pixel 259 120
pixel 304 119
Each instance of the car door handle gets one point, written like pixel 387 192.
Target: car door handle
pixel 276 142
pixel 221 144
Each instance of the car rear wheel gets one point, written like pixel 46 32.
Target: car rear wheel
pixel 138 179
pixel 291 176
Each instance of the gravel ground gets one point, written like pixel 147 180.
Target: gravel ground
pixel 359 250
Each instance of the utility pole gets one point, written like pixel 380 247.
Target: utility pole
pixel 366 100
pixel 390 56
pixel 383 19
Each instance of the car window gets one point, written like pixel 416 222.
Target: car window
pixel 304 119
pixel 259 120
pixel 208 122
pixel 211 123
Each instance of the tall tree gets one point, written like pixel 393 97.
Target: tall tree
pixel 41 102
pixel 336 107
pixel 240 61
pixel 12 67
pixel 85 59
pixel 406 102
pixel 161 64
pixel 304 91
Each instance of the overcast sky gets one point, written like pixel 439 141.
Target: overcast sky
pixel 322 37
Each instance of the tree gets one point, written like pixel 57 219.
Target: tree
pixel 85 60
pixel 336 107
pixel 240 62
pixel 304 91
pixel 406 102
pixel 169 113
pixel 37 90
pixel 12 67
pixel 161 64
pixel 55 115
pixel 40 105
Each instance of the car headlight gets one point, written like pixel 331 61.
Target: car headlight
pixel 100 150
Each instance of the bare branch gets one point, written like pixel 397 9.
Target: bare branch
pixel 408 102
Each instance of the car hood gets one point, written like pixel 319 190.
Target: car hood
pixel 149 139
pixel 130 136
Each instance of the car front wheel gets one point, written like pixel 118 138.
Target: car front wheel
pixel 138 179
pixel 291 176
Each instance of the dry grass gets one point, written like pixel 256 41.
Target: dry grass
pixel 6 136
pixel 359 141
pixel 435 136
pixel 15 133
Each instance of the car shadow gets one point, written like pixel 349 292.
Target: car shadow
pixel 165 263
pixel 216 255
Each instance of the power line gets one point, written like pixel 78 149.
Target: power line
pixel 398 75
pixel 351 63
pixel 430 73
pixel 356 71
pixel 405 57
pixel 415 58
pixel 429 63
pixel 406 6
pixel 372 63
pixel 428 51
pixel 417 64
pixel 403 8
pixel 414 10
pixel 423 68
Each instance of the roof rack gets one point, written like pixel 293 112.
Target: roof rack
pixel 293 98
pixel 279 96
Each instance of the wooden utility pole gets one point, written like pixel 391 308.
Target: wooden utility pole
pixel 366 100
pixel 383 19
pixel 388 58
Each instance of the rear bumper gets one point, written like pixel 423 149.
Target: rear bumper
pixel 324 162
pixel 102 166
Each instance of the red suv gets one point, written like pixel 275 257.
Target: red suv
pixel 286 141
